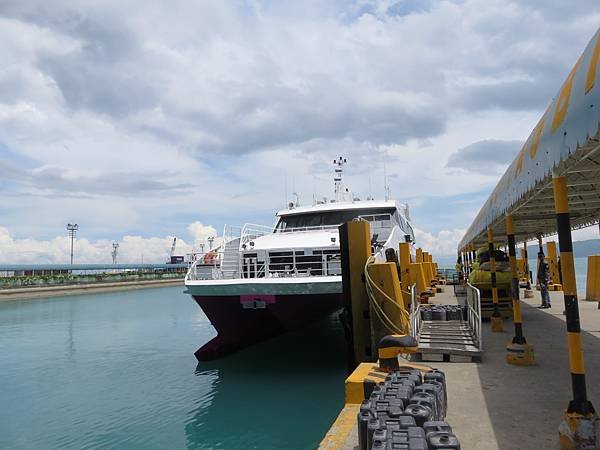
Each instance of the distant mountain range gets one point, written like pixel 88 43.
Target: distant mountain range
pixel 581 249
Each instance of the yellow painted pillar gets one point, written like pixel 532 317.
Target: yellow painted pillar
pixel 553 262
pixel 405 279
pixel 417 276
pixel 428 268
pixel 590 295
pixel 596 279
pixel 385 276
pixel 419 255
pixel 355 248
pixel 593 278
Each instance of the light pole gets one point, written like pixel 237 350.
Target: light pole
pixel 72 229
pixel 115 247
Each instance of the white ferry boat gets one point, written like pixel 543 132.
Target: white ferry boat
pixel 263 281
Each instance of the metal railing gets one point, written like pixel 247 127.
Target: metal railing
pixel 473 302
pixel 293 265
pixel 329 264
pixel 251 231
pixel 301 229
pixel 415 312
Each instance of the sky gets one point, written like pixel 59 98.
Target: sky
pixel 175 118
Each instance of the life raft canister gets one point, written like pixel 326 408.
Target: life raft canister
pixel 210 257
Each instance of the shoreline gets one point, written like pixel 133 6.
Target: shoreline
pixel 31 293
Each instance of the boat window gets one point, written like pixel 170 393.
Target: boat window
pixel 329 218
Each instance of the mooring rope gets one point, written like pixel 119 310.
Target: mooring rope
pixel 383 317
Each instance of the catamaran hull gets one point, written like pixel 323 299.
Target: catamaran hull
pixel 243 320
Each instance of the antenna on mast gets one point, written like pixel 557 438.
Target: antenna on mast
pixel 285 188
pixel 341 191
pixel 386 187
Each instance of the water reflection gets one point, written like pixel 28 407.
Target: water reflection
pixel 283 393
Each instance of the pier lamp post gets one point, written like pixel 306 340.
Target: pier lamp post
pixel 72 229
pixel 115 247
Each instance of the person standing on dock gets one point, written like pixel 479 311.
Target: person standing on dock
pixel 543 277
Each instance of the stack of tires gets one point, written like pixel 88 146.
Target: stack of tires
pixel 406 411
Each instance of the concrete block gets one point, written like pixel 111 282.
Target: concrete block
pixel 436 357
pixel 461 359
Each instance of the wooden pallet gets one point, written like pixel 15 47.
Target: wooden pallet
pixel 450 340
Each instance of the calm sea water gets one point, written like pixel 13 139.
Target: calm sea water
pixel 117 370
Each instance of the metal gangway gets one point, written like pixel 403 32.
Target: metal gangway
pixel 449 340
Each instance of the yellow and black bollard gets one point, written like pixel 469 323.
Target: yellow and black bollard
pixel 580 424
pixel 496 318
pixel 518 352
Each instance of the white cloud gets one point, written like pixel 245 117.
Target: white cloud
pixel 132 120
pixel 443 243
pixel 132 249
pixel 201 233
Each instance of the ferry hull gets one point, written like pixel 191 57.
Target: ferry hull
pixel 243 320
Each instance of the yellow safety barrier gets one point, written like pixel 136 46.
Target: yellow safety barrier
pixel 553 266
pixel 419 255
pixel 385 277
pixel 592 292
pixel 417 276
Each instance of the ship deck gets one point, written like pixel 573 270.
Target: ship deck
pixel 494 405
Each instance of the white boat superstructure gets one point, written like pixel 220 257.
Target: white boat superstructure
pixel 303 244
pixel 261 281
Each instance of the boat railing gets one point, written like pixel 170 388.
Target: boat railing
pixel 312 228
pixel 251 231
pixel 288 264
pixel 205 267
pixel 378 220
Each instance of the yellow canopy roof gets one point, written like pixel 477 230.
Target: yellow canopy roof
pixel 566 140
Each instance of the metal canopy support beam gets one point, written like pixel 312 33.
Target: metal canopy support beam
pixel 580 410
pixel 514 282
pixel 496 317
pixel 518 352
pixel 579 403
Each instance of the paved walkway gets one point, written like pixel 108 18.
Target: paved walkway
pixel 493 405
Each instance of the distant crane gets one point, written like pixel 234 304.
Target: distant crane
pixel 115 247
pixel 173 259
pixel 173 247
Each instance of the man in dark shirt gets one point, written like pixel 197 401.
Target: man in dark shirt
pixel 543 277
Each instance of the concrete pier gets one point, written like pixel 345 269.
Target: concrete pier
pixel 494 405
pixel 77 289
